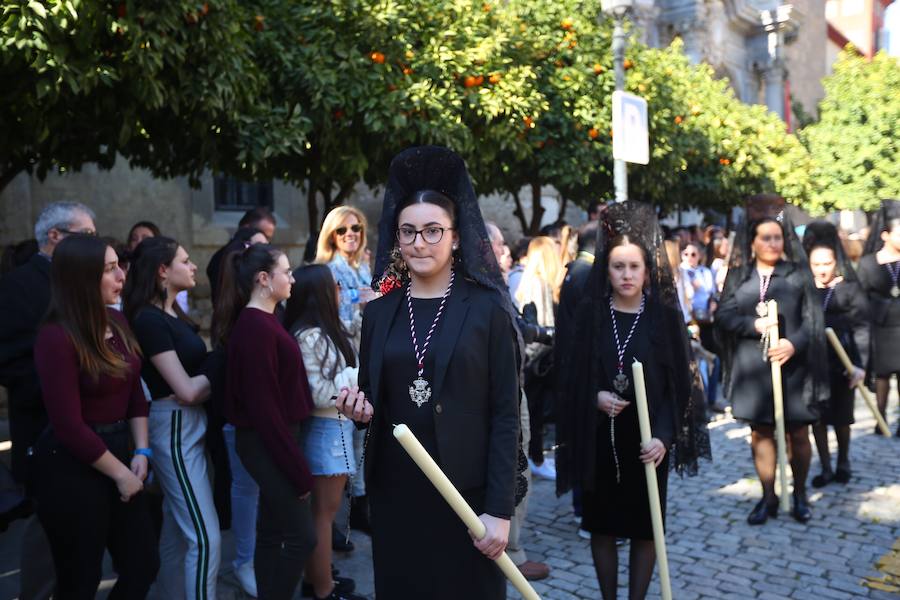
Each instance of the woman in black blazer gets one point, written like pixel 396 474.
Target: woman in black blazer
pixel 438 353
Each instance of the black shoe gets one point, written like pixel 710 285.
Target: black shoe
pixel 336 595
pixel 878 430
pixel 762 511
pixel 342 585
pixel 823 479
pixel 842 475
pixel 359 514
pixel 339 542
pixel 800 509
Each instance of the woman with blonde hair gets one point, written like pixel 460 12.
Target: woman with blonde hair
pixel 342 247
pixel 540 285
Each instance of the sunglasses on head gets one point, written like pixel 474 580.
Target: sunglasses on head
pixel 354 228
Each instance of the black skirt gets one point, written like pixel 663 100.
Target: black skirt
pixel 620 507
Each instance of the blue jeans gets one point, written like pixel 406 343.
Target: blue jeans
pixel 244 503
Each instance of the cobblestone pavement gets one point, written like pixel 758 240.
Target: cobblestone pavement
pixel 713 553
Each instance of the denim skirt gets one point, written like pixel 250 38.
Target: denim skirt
pixel 327 451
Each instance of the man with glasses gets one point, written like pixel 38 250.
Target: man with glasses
pixel 24 298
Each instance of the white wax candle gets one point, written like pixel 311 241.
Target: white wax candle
pixel 659 534
pixel 867 396
pixel 459 505
pixel 778 399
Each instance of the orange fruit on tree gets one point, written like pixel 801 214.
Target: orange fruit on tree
pixel 479 80
pixel 259 22
pixel 470 81
pixel 598 69
pixel 494 78
pixel 678 120
pixel 377 58
pixel 529 122
pixel 407 71
pixel 628 64
pixel 593 133
pixel 566 24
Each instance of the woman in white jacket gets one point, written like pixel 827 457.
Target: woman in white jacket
pixel 331 364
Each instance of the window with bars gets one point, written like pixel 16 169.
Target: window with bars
pixel 232 194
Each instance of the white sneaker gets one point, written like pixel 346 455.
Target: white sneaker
pixel 545 471
pixel 246 576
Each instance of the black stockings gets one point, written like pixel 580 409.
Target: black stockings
pixel 842 432
pixel 765 458
pixel 641 560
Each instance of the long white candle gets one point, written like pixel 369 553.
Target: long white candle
pixel 459 505
pixel 778 397
pixel 867 396
pixel 659 533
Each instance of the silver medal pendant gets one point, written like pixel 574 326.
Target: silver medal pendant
pixel 620 382
pixel 762 309
pixel 419 391
pixel 895 292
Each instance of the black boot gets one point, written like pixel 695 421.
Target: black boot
pixel 359 514
pixel 823 479
pixel 800 508
pixel 762 511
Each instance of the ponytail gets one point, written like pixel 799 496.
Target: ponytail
pixel 238 277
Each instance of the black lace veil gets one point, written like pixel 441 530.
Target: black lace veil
pixel 639 221
pixel 742 265
pixel 822 234
pixel 888 212
pixel 442 170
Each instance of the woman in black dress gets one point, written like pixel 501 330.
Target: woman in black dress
pixel 630 313
pixel 845 309
pixel 764 266
pixel 438 353
pixel 879 274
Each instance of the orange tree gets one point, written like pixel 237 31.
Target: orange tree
pixel 176 87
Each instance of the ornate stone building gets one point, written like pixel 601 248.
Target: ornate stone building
pixel 773 53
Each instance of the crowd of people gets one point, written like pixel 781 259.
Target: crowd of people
pixel 133 433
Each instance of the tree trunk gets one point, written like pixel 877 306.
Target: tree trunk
pixel 563 204
pixel 519 212
pixel 312 205
pixel 537 209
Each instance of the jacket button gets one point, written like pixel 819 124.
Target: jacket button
pixel 438 408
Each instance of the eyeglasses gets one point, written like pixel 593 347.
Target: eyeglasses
pixel 354 228
pixel 81 231
pixel 432 235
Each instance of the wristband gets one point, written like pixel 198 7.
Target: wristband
pixel 144 452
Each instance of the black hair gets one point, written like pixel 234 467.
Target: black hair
pixel 587 237
pixel 238 276
pixel 146 225
pixel 314 303
pixel 142 287
pixel 429 197
pixel 255 215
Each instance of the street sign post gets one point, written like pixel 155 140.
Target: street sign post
pixel 631 139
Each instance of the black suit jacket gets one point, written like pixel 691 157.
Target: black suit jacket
pixel 24 299
pixel 475 393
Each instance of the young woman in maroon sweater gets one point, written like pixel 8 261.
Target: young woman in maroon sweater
pixel 266 398
pixel 87 482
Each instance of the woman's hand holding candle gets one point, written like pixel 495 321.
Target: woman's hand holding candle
pixel 496 536
pixel 653 451
pixel 352 403
pixel 782 352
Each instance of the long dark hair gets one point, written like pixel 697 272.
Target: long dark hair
pixel 76 305
pixel 143 287
pixel 238 275
pixel 313 303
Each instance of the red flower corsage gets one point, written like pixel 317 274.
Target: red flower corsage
pixel 389 284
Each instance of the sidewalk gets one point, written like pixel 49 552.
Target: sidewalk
pixel 713 553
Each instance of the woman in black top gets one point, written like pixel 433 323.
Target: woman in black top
pixel 438 353
pixel 630 313
pixel 765 266
pixel 845 309
pixel 879 274
pixel 174 356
